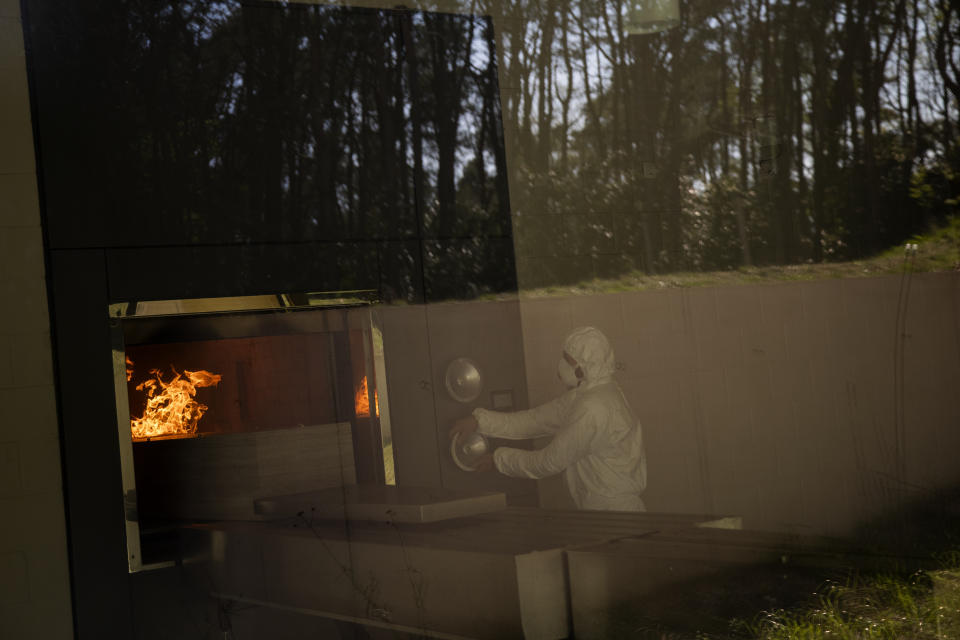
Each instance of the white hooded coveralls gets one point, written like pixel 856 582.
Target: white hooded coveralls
pixel 596 438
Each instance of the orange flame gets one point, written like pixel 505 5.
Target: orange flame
pixel 129 368
pixel 361 400
pixel 171 409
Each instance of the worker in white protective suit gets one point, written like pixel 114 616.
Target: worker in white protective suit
pixel 597 440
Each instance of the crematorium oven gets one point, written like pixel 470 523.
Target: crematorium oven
pixel 221 402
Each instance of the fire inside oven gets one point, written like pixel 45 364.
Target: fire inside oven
pixel 218 408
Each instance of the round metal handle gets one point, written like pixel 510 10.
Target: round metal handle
pixel 463 380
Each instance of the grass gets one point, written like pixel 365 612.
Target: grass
pixel 896 577
pixel 766 603
pixel 922 604
pixel 937 250
pixel 925 605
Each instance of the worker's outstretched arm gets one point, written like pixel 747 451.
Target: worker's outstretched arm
pixel 522 425
pixel 569 445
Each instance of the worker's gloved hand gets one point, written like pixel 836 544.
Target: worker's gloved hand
pixel 464 427
pixel 485 463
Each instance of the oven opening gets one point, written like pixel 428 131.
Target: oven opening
pixel 222 402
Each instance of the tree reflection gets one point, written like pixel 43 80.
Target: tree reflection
pixel 269 122
pixel 754 132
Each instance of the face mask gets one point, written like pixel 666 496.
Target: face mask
pixel 567 374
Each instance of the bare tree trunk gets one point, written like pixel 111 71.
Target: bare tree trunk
pixel 591 108
pixel 496 134
pixel 746 117
pixel 544 78
pixel 725 107
pixel 944 52
pixel 568 94
pixel 818 133
pixel 416 111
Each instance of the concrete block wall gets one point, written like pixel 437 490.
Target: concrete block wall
pixel 776 402
pixel 34 575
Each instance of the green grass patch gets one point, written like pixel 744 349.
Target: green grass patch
pixel 897 576
pixel 937 250
pixel 925 605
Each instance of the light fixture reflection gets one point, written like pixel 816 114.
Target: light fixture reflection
pixel 652 16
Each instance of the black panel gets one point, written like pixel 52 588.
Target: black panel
pixel 220 122
pixel 235 123
pixel 94 492
pixel 215 271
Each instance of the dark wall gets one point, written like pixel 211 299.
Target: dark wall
pixel 212 149
pixel 93 489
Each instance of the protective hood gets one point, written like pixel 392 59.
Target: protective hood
pixel 592 351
